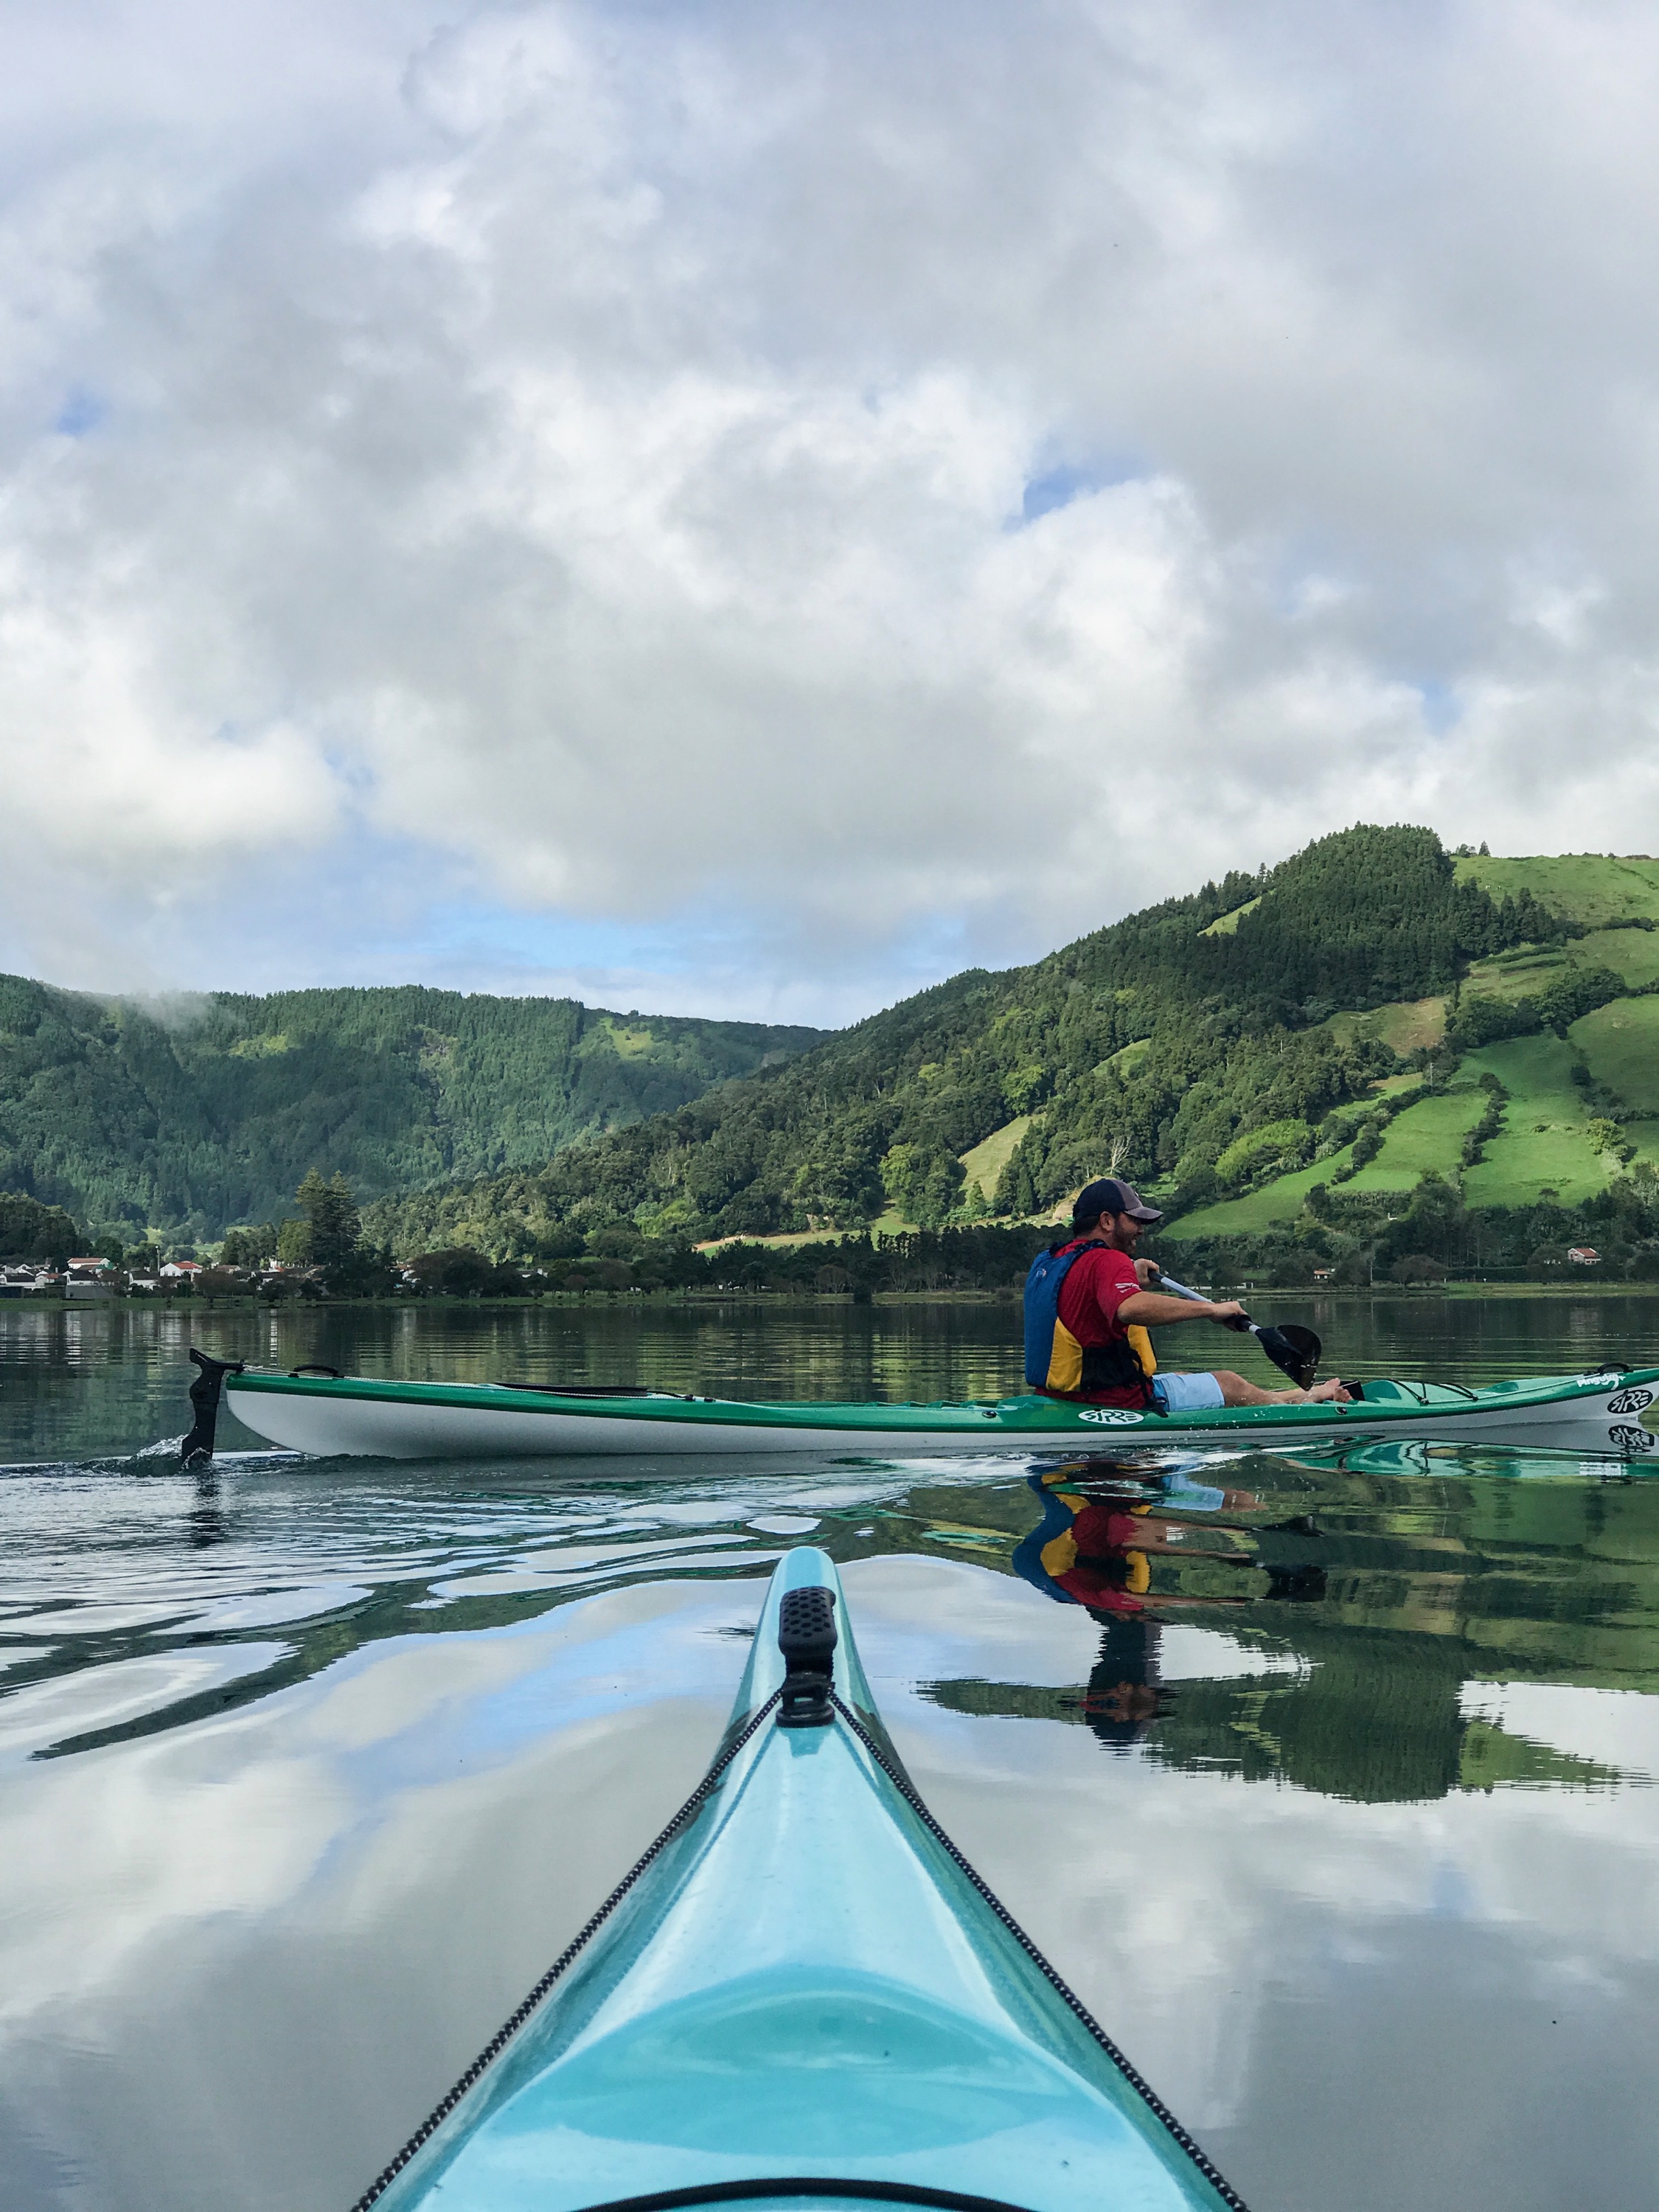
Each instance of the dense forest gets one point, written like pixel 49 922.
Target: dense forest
pixel 1164 1043
pixel 187 1118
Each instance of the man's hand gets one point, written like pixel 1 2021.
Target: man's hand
pixel 1228 1312
pixel 1148 1271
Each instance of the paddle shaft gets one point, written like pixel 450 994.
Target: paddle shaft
pixel 1299 1360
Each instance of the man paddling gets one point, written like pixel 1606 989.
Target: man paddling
pixel 1089 1305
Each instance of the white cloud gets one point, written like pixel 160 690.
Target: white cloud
pixel 579 456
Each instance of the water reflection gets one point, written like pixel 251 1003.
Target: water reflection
pixel 1325 1777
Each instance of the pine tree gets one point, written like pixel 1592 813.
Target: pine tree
pixel 332 1210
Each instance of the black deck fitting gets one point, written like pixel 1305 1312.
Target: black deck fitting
pixel 197 1446
pixel 806 1638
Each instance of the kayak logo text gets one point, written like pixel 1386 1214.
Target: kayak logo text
pixel 1630 1401
pixel 1109 1417
pixel 1629 1439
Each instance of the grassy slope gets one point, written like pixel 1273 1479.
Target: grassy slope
pixel 1594 888
pixel 1404 1025
pixel 1544 1142
pixel 1280 1200
pixel 1228 924
pixel 1620 1043
pixel 1427 1135
pixel 1544 1139
pixel 985 1163
pixel 1632 953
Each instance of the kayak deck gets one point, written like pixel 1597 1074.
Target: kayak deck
pixel 1602 1412
pixel 803 1991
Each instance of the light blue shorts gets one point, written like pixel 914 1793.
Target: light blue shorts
pixel 1188 1393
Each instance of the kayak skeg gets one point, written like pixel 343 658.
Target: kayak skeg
pixel 802 1993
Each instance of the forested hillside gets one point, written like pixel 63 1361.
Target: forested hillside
pixel 1207 1046
pixel 187 1120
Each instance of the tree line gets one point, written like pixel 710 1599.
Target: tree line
pixel 192 1117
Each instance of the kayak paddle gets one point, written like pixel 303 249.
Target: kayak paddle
pixel 1293 1350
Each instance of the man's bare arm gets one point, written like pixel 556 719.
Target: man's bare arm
pixel 1156 1308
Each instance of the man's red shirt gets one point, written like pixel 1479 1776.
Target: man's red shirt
pixel 1098 1578
pixel 1096 1286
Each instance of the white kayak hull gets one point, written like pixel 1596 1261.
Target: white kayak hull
pixel 1603 1415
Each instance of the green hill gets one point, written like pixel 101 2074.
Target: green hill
pixel 185 1120
pixel 1283 1059
pixel 1326 1024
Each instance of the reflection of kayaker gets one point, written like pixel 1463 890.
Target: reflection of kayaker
pixel 1096 1550
pixel 1125 1695
pixel 1095 1546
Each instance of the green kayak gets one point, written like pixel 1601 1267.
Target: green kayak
pixel 1604 1411
pixel 801 1993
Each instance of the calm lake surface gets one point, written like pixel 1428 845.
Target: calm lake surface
pixel 307 1769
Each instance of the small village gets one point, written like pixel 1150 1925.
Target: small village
pixel 90 1278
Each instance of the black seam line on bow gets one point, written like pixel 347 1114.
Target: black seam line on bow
pixel 516 2020
pixel 1137 2082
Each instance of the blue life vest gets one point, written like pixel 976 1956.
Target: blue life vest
pixel 1056 1361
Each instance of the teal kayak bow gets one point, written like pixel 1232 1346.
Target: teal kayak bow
pixel 801 1993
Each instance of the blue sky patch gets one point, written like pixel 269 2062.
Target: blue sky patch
pixel 1442 708
pixel 1058 487
pixel 82 411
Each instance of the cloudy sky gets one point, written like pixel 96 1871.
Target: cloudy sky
pixel 751 507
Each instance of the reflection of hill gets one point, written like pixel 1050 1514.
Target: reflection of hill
pixel 1372 1718
pixel 1430 1581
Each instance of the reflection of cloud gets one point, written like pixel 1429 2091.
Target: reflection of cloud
pixel 559 460
pixel 241 1959
pixel 1616 1727
pixel 1199 1916
pixel 92 1698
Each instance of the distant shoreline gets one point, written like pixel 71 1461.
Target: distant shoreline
pixel 1315 1294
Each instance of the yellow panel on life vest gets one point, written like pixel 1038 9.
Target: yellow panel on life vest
pixel 1059 1555
pixel 1066 1362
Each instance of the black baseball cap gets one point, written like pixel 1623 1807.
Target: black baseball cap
pixel 1109 1197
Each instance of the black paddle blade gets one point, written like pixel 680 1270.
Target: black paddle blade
pixel 1293 1350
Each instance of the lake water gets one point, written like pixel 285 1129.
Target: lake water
pixel 1350 1839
